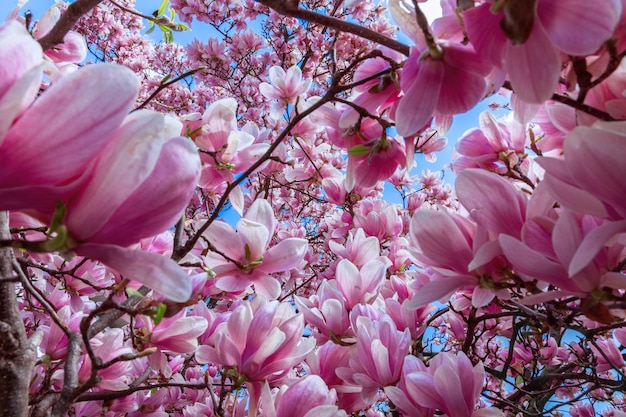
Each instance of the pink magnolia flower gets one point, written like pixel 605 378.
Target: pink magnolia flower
pixel 377 360
pixel 243 257
pixel 425 92
pixel 360 286
pixel 101 222
pixel 286 86
pixel 589 179
pixel 450 384
pixel 327 310
pixel 577 254
pixel 402 395
pixel 307 397
pixel 107 346
pixel 261 340
pixel 73 49
pixel 532 60
pixel 47 150
pixel 493 144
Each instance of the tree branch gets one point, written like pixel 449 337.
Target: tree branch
pixel 288 8
pixel 67 21
pixel 17 356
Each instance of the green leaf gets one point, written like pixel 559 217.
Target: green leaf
pixel 359 150
pixel 160 313
pixel 131 292
pixel 149 31
pixel 59 242
pixel 162 7
pixel 59 214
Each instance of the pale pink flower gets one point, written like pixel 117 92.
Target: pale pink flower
pixel 402 396
pixel 328 312
pixel 286 86
pixel 107 346
pixel 360 285
pixel 358 248
pixel 493 145
pixel 245 258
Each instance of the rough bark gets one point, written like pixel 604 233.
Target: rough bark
pixel 17 356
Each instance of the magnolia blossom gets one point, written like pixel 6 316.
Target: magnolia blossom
pixel 377 360
pixel 528 44
pixel 262 339
pixel 450 384
pixel 589 179
pixel 242 256
pixel 286 86
pixel 308 397
pixel 46 149
pixel 426 93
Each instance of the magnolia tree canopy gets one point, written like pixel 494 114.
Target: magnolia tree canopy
pixel 123 292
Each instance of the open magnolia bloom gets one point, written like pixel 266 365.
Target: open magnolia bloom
pixel 107 170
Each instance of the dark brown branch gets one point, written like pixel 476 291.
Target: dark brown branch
pixel 574 104
pixel 291 9
pixel 67 21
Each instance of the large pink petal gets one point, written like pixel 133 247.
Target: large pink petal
pixel 121 168
pixel 155 271
pixel 464 78
pixel 593 243
pixel 441 240
pixel 18 97
pixel 492 201
pixel 575 29
pixel 260 211
pixel 148 212
pixel 286 255
pixel 62 132
pixel 19 53
pixel 531 264
pixel 484 32
pixel 594 157
pixel 417 105
pixel 533 67
pixel 448 385
pixel 440 288
pixel 223 237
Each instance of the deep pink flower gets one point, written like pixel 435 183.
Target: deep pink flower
pixel 262 339
pixel 377 360
pixel 426 93
pixel 450 384
pixel 46 152
pixel 307 397
pixel 533 64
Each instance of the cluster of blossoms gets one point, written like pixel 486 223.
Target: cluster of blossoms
pixel 502 295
